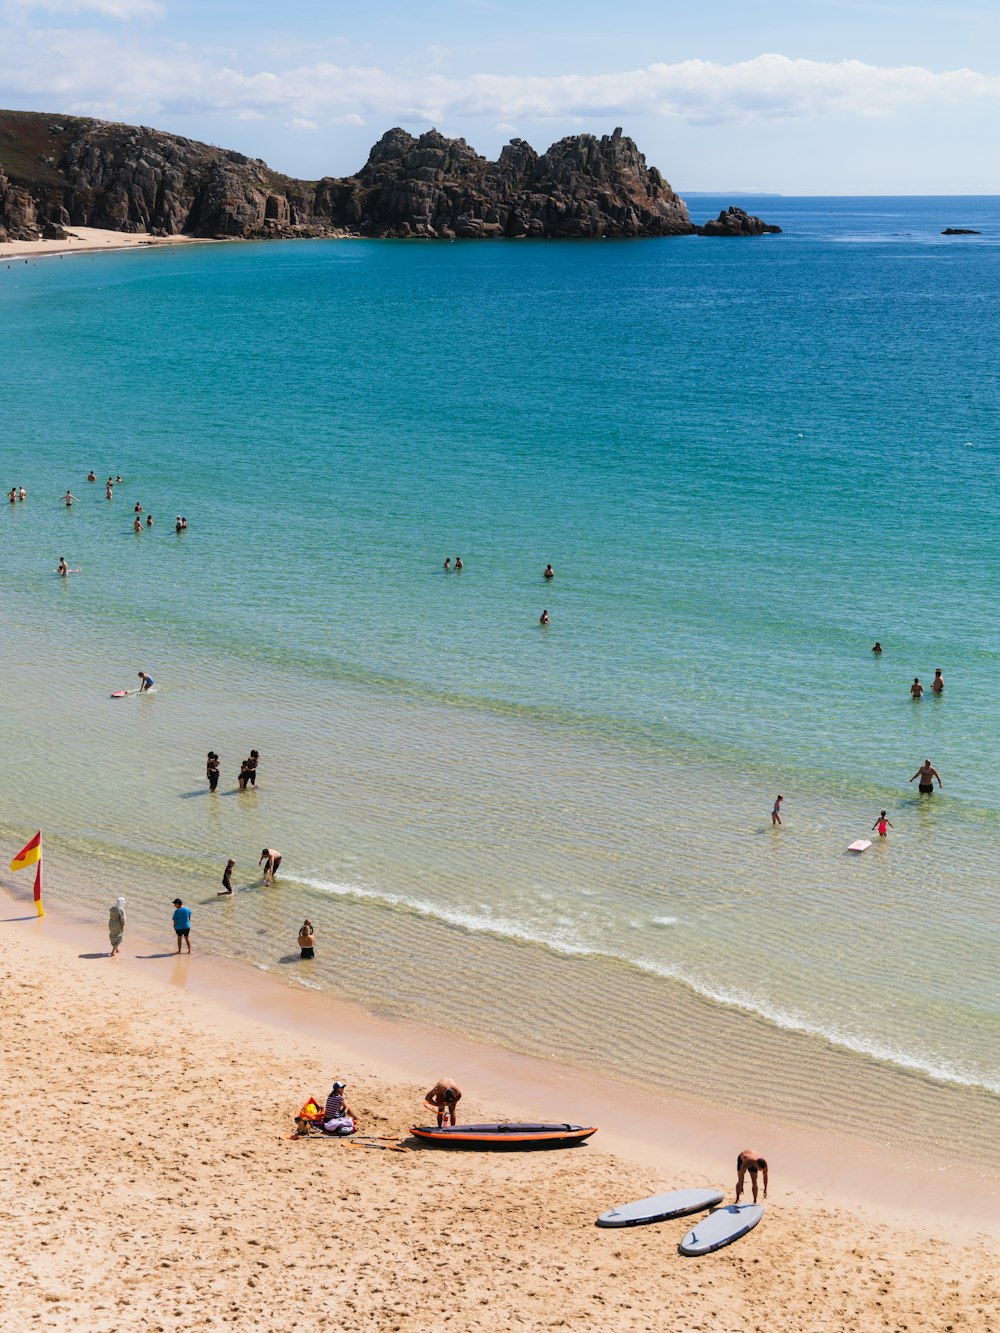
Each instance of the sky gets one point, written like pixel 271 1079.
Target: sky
pixel 761 96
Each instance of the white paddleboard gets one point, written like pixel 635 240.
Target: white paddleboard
pixel 861 845
pixel 721 1228
pixel 659 1207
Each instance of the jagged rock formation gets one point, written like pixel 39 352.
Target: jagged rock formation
pixel 736 222
pixel 57 172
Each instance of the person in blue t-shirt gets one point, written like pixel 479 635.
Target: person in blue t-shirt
pixel 182 924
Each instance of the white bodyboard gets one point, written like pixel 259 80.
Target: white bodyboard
pixel 721 1228
pixel 660 1207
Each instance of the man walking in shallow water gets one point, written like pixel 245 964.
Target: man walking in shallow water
pixel 927 773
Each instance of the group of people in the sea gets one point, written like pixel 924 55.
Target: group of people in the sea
pixel 69 499
pixel 547 573
pixel 927 773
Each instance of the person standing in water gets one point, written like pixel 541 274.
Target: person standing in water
pixel 227 878
pixel 212 770
pixel 273 859
pixel 109 490
pixel 750 1160
pixel 149 521
pixel 91 475
pixel 548 572
pixel 776 811
pixel 937 684
pixel 307 940
pixel 543 619
pixel 116 925
pixel 458 563
pixel 927 773
pixel 916 689
pixel 137 524
pixel 883 825
pixel 877 650
pixel 182 924
pixel 67 499
pixel 447 565
pixel 147 682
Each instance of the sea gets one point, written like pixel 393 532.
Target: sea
pixel 746 461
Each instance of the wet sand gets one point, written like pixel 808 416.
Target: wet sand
pixel 150 1185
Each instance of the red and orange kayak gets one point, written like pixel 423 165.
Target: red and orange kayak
pixel 503 1136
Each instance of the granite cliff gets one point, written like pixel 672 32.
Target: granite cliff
pixel 58 172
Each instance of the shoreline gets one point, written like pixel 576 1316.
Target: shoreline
pixel 839 1169
pixel 154 1185
pixel 92 240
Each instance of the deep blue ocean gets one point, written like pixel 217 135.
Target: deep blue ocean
pixel 746 460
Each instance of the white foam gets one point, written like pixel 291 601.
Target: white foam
pixel 788 1019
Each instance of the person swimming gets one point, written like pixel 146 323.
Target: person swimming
pixel 543 619
pixel 548 572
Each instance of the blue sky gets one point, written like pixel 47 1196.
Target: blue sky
pixel 793 96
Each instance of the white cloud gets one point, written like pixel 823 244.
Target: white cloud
pixel 299 123
pixel 83 66
pixel 112 9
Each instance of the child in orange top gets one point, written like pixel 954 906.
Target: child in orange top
pixel 882 824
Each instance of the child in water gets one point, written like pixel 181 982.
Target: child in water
pixel 882 824
pixel 776 812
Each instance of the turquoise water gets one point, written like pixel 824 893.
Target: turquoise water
pixel 746 461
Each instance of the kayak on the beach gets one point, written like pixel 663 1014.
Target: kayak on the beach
pixel 660 1207
pixel 502 1136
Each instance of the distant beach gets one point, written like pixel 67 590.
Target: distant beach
pixel 87 240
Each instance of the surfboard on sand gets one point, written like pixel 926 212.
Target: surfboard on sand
pixel 660 1207
pixel 861 845
pixel 721 1228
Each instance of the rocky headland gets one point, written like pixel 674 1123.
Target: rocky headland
pixel 58 172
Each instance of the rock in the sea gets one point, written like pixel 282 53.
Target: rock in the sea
pixel 734 221
pixel 961 231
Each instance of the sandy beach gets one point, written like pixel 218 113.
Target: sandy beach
pixel 83 240
pixel 150 1183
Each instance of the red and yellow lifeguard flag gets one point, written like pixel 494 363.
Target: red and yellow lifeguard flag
pixel 29 856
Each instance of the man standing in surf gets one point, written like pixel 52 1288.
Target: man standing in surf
pixel 927 773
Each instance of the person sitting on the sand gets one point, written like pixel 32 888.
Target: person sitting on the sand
pixel 750 1160
pixel 338 1118
pixel 443 1098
